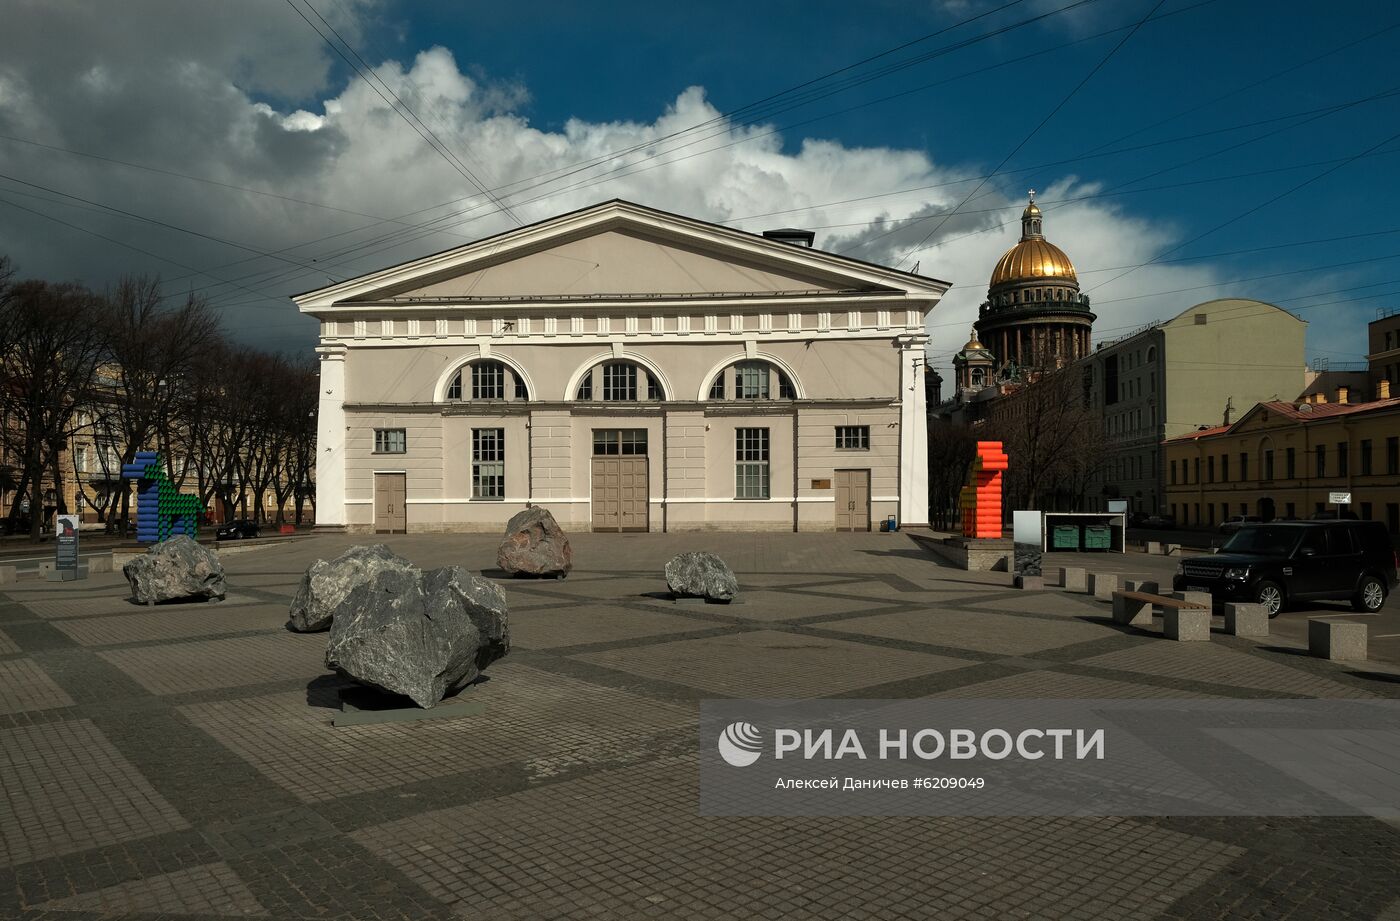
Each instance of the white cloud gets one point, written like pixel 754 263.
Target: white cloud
pixel 230 97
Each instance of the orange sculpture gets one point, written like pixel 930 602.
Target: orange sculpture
pixel 980 500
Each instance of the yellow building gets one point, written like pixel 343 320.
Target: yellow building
pixel 1284 459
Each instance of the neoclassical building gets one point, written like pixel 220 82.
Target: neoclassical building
pixel 1034 317
pixel 631 370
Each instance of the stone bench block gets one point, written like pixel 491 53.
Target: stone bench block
pixel 1172 549
pixel 1200 598
pixel 1073 579
pixel 1337 640
pixel 1030 582
pixel 99 562
pixel 1102 585
pixel 1131 611
pixel 1246 620
pixel 7 574
pixel 1153 547
pixel 1140 585
pixel 1186 625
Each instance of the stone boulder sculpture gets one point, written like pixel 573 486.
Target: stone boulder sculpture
pixel 419 634
pixel 701 575
pixel 535 545
pixel 327 583
pixel 173 570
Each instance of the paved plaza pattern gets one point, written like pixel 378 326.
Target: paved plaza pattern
pixel 179 761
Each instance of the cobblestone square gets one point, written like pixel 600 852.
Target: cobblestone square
pixel 180 761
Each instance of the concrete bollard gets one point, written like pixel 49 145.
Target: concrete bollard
pixel 7 574
pixel 99 562
pixel 1103 585
pixel 1030 582
pixel 1337 640
pixel 1073 579
pixel 1186 625
pixel 1172 549
pixel 1139 585
pixel 1246 620
pixel 1152 547
pixel 1199 598
pixel 1131 611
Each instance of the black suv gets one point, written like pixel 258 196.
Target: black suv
pixel 1285 561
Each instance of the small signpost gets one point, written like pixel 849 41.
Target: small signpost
pixel 1339 499
pixel 65 565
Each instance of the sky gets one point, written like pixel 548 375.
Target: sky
pixel 1182 149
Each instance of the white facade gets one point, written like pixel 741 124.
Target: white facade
pixel 628 369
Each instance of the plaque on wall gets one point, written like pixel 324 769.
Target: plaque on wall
pixel 821 484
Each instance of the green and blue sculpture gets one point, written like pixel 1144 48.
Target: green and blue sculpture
pixel 162 511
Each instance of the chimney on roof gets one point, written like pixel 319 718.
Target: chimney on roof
pixel 792 235
pixel 1383 390
pixel 1342 394
pixel 1229 409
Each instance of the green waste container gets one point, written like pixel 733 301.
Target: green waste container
pixel 1098 537
pixel 1065 537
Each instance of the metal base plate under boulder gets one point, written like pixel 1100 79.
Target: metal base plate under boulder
pixel 535 545
pixel 174 570
pixel 361 706
pixel 701 576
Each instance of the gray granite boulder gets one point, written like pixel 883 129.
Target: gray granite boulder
pixel 535 545
pixel 327 583
pixel 419 634
pixel 173 570
pixel 701 575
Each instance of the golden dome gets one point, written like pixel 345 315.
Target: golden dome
pixel 973 343
pixel 1033 259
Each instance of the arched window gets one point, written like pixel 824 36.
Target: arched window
pixel 487 379
pixel 619 382
pixel 753 379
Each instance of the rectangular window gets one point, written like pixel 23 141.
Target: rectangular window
pixel 1210 470
pixel 1392 455
pixel 1290 467
pixel 488 463
pixel 1244 466
pixel 488 381
pixel 1268 465
pixel 1210 512
pixel 853 438
pixel 1365 457
pixel 1365 511
pixel 1173 473
pixel 80 460
pixel 1289 511
pixel 1197 469
pixel 1320 460
pixel 627 442
pixel 390 441
pixel 1342 458
pixel 619 382
pixel 1224 468
pixel 751 381
pixel 751 463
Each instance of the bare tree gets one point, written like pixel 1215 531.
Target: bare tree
pixel 951 448
pixel 154 350
pixel 49 366
pixel 1052 437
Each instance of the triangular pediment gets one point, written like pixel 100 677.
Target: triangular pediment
pixel 622 261
pixel 623 250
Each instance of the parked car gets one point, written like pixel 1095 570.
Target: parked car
pixel 1160 522
pixel 1235 522
pixel 1332 514
pixel 1279 563
pixel 237 530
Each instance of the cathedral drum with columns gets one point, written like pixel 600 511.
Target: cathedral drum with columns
pixel 631 370
pixel 1034 317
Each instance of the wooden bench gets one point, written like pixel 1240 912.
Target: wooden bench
pixel 1181 620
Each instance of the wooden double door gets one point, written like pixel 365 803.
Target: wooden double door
pixel 390 514
pixel 853 500
pixel 620 494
